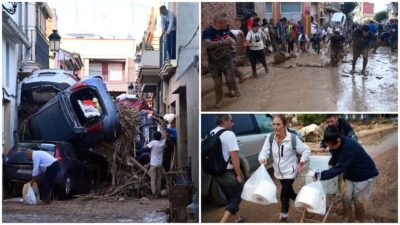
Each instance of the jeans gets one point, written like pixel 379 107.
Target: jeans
pixel 287 193
pixel 257 55
pixel 232 190
pixel 155 177
pixel 49 177
pixel 171 44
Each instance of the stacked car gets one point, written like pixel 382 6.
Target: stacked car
pixel 66 118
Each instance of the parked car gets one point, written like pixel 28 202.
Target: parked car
pixel 43 85
pixel 82 114
pixel 251 131
pixel 77 173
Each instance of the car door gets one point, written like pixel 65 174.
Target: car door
pixel 248 136
pixel 55 120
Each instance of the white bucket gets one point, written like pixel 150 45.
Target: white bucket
pixel 265 193
pixel 248 191
pixel 308 197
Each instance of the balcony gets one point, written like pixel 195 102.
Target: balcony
pixel 40 52
pixel 149 71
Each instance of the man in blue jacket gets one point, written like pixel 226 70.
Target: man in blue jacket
pixel 358 172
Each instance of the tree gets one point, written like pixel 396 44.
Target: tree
pixel 348 7
pixel 382 15
pixel 308 119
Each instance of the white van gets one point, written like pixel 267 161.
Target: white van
pixel 338 21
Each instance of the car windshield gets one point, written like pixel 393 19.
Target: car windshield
pixel 87 105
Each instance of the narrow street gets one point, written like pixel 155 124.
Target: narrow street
pixel 301 84
pixel 129 210
pixel 382 147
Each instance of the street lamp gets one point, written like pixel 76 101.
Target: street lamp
pixel 54 39
pixel 131 89
pixel 12 7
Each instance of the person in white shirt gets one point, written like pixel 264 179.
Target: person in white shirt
pixel 285 163
pixel 156 159
pixel 168 26
pixel 231 181
pixel 255 39
pixel 43 162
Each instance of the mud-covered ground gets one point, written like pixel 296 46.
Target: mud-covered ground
pixel 383 148
pixel 130 210
pixel 300 84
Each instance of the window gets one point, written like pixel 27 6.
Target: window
pixel 264 122
pixel 243 124
pixel 291 10
pixel 115 72
pixel 268 10
pixel 290 7
pixel 95 69
pixel 243 7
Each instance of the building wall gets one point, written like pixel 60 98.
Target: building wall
pixel 107 51
pixel 186 78
pixel 9 91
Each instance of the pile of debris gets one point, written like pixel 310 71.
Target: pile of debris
pixel 128 176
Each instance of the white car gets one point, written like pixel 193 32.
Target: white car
pixel 43 85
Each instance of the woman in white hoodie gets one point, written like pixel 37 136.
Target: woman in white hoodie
pixel 284 149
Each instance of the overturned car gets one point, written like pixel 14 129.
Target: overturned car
pixel 82 114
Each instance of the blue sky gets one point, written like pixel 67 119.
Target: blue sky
pixel 119 18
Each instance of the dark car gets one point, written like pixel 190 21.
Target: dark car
pixel 251 131
pixel 76 175
pixel 82 114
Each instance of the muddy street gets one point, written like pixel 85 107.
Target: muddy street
pixel 129 210
pixel 305 83
pixel 382 147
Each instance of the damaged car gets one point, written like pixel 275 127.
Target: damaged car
pixel 82 114
pixel 79 170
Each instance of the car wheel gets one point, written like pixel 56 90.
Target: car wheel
pixel 216 196
pixel 65 190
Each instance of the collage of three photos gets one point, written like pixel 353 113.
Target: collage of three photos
pixel 200 112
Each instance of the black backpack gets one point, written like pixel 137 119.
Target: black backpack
pixel 212 159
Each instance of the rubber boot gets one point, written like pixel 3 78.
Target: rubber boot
pixel 346 212
pixel 360 214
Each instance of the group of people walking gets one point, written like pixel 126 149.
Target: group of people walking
pixel 349 161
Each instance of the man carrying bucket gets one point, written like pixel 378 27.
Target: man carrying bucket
pixel 358 172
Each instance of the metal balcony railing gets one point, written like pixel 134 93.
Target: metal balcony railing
pixel 40 47
pixel 163 51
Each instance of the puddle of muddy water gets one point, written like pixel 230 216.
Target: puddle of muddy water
pixel 155 217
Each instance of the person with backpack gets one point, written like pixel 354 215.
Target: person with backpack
pixel 283 147
pixel 220 158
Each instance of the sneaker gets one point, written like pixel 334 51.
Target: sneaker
pixel 241 219
pixel 218 104
pixel 231 94
pixel 283 217
pixel 364 73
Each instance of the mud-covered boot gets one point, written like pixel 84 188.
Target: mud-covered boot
pixel 346 212
pixel 360 214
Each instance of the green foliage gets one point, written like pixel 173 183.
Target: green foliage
pixel 308 119
pixel 382 15
pixel 348 7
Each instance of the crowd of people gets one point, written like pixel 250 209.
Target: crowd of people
pixel 265 37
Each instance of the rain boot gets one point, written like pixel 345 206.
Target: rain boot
pixel 346 212
pixel 360 214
